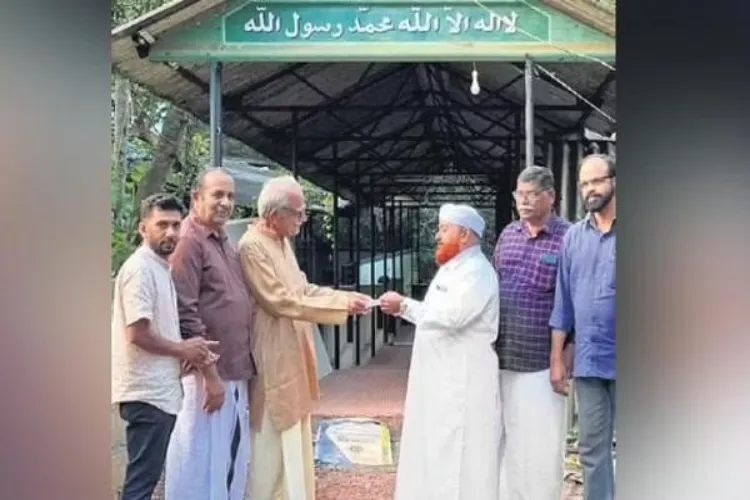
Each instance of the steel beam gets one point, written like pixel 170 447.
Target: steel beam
pixel 215 113
pixel 529 111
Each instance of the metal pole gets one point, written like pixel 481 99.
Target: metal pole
pixel 386 278
pixel 350 322
pixel 295 160
pixel 357 263
pixel 215 113
pixel 565 182
pixel 295 169
pixel 419 239
pixel 394 249
pixel 373 231
pixel 529 111
pixel 335 231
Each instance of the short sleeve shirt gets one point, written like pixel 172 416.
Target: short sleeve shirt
pixel 144 290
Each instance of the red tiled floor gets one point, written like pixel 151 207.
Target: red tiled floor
pixel 337 485
pixel 375 391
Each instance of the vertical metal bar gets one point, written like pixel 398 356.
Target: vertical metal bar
pixel 336 283
pixel 386 278
pixel 313 251
pixel 373 232
pixel 529 110
pixel 295 160
pixel 419 256
pixel 357 261
pixel 565 181
pixel 295 172
pixel 580 210
pixel 394 249
pixel 215 113
pixel 351 275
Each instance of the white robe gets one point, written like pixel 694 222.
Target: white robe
pixel 449 444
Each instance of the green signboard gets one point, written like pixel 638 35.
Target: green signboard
pixel 394 22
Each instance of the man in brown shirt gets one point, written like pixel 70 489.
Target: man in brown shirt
pixel 283 346
pixel 210 446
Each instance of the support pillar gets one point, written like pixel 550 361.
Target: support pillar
pixel 335 246
pixel 566 181
pixel 373 239
pixel 295 160
pixel 215 113
pixel 529 110
pixel 357 263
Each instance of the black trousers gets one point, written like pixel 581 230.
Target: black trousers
pixel 147 434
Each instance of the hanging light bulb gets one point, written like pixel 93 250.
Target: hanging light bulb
pixel 474 88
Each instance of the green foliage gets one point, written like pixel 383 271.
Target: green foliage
pixel 124 229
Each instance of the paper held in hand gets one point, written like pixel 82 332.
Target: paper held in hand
pixel 373 303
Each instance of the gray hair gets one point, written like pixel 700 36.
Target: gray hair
pixel 201 179
pixel 541 177
pixel 275 194
pixel 609 160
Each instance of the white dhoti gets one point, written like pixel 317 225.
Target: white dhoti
pixel 532 446
pixel 282 466
pixel 208 454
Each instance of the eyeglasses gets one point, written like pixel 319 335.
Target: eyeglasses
pixel 532 196
pixel 299 215
pixel 598 181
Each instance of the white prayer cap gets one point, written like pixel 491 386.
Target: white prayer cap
pixel 464 216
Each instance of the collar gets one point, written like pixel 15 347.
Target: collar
pixel 149 252
pixel 547 228
pixel 590 222
pixel 465 254
pixel 204 230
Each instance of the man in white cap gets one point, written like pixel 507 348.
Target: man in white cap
pixel 449 447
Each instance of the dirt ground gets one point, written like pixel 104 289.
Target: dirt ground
pixel 335 485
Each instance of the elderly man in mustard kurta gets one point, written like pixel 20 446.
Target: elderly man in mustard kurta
pixel 283 347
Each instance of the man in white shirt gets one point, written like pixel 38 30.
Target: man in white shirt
pixel 449 445
pixel 147 347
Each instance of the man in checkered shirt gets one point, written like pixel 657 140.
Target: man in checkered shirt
pixel 526 259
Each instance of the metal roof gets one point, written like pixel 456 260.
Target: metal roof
pixel 424 118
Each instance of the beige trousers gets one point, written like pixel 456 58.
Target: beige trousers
pixel 282 464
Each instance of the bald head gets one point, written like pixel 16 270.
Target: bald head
pixel 209 176
pixel 213 198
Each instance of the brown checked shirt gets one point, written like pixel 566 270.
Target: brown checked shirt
pixel 212 297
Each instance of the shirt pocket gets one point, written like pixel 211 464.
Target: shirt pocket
pixel 544 272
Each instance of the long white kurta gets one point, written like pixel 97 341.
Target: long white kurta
pixel 449 445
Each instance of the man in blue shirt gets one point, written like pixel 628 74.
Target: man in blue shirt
pixel 585 303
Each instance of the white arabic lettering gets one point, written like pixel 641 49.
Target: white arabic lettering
pixel 418 20
pixel 458 23
pixel 266 22
pixel 503 24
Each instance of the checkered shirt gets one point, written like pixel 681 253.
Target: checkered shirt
pixel 527 272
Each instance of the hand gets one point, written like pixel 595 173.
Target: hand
pixel 559 376
pixel 359 304
pixel 390 303
pixel 186 367
pixel 197 351
pixel 214 395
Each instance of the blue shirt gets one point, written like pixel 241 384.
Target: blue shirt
pixel 585 298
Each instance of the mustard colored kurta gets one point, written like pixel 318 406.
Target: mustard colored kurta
pixel 283 345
